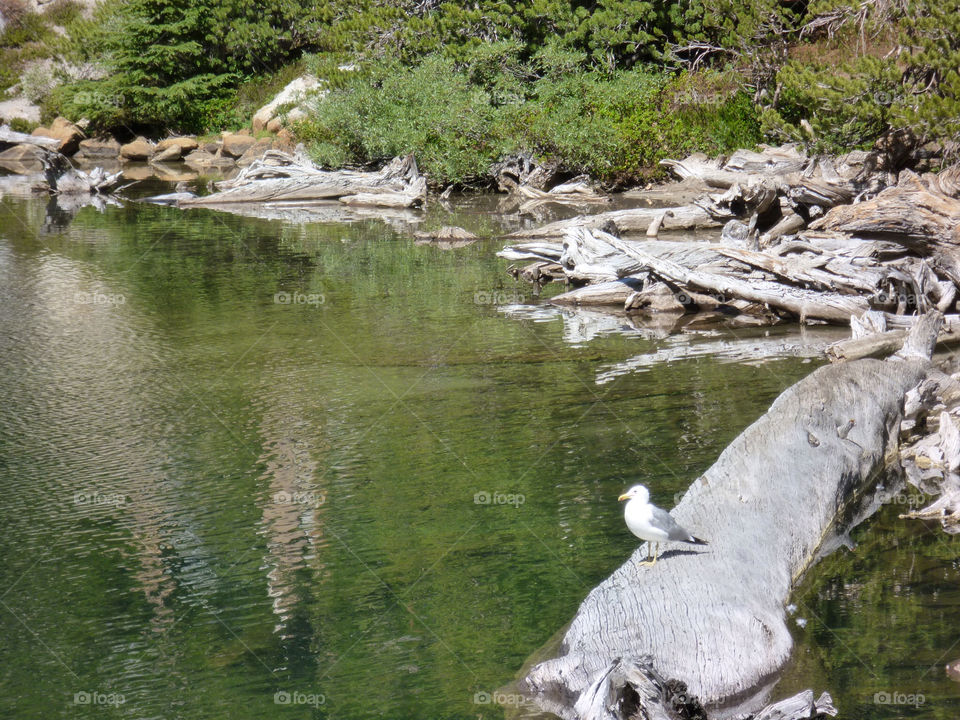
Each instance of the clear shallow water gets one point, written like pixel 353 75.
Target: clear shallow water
pixel 244 464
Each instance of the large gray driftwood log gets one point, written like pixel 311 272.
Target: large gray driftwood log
pixel 280 178
pixel 713 618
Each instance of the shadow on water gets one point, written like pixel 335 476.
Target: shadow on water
pixel 259 469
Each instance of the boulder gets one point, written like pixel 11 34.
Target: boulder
pixel 256 151
pixel 293 94
pixel 139 149
pixel 275 125
pixel 185 144
pixel 203 160
pixel 23 159
pixel 97 148
pixel 295 115
pixel 235 145
pixel 65 132
pixel 172 152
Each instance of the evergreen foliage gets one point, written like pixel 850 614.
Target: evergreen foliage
pixel 459 120
pixel 599 85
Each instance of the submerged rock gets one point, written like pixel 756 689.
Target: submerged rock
pixel 97 148
pixel 23 159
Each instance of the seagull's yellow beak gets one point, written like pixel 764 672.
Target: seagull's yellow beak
pixel 625 496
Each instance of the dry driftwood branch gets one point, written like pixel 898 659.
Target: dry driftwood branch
pixel 12 137
pixel 805 304
pixel 282 178
pixel 932 460
pixel 908 214
pixel 714 619
pixel 637 220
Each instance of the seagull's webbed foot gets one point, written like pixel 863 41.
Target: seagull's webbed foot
pixel 656 554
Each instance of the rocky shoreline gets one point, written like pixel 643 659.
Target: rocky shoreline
pixel 221 154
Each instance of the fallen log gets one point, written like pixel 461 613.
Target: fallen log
pixel 281 178
pixel 613 292
pixel 931 448
pixel 714 619
pixel 908 214
pixel 881 345
pixel 632 221
pixel 12 137
pixel 805 304
pixel 575 192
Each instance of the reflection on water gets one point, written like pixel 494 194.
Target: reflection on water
pixel 217 503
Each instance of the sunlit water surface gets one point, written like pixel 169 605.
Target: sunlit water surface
pixel 252 469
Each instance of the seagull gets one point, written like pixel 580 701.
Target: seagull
pixel 650 523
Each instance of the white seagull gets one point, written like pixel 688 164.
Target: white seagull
pixel 650 523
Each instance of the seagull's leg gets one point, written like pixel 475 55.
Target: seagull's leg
pixel 648 562
pixel 656 554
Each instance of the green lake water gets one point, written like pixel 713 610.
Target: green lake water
pixel 252 469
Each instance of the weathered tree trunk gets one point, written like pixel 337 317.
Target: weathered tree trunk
pixel 908 214
pixel 713 618
pixel 12 137
pixel 280 178
pixel 634 221
pixel 829 306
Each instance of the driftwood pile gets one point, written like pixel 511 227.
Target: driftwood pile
pixel 703 632
pixel 282 180
pixel 802 239
pixel 929 432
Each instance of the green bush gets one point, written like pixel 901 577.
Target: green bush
pixel 19 124
pixel 846 107
pixel 62 12
pixel 458 121
pixel 619 126
pixel 23 28
pixel 177 64
pixel 390 110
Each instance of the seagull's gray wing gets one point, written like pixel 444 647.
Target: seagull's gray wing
pixel 664 521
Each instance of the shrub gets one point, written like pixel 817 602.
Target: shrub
pixel 615 126
pixel 19 124
pixel 390 110
pixel 846 107
pixel 62 12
